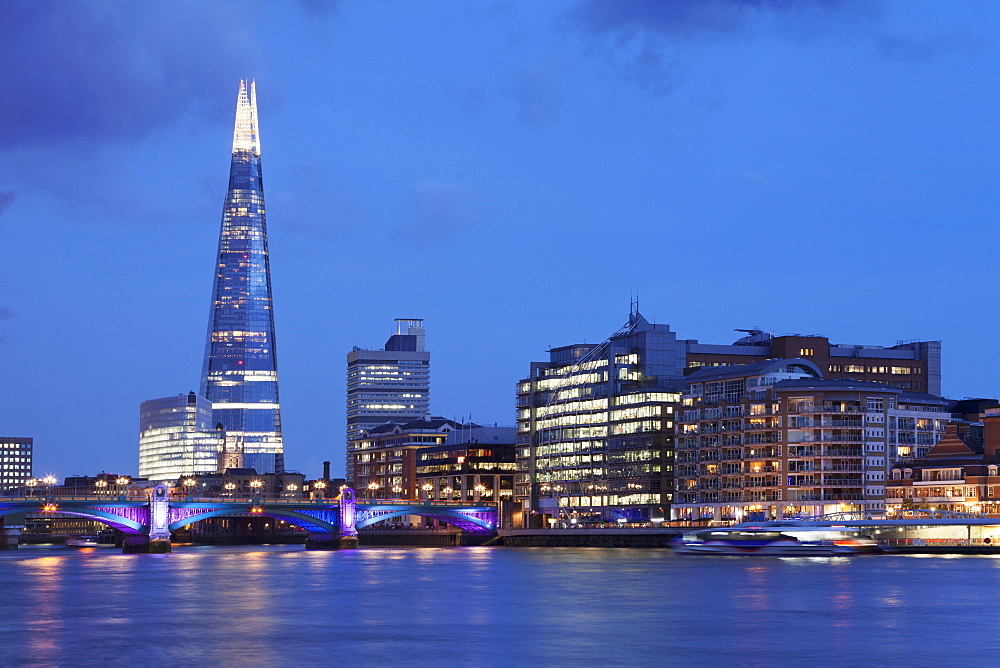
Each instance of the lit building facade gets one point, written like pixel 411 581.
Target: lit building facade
pixel 775 439
pixel 240 373
pixel 388 385
pixel 474 464
pixel 595 429
pixel 15 462
pixel 384 458
pixel 176 437
pixel 243 484
pixel 909 365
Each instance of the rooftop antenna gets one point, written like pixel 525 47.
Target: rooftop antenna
pixel 633 306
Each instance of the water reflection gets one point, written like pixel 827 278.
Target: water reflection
pixel 485 606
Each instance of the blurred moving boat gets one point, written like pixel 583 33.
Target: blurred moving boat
pixel 785 538
pixel 101 540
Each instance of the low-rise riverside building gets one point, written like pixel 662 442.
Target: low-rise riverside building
pixel 384 458
pixel 243 483
pixel 775 439
pixel 475 464
pixel 961 473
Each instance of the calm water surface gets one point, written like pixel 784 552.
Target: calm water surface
pixel 493 606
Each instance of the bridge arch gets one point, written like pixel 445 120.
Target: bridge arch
pixel 312 521
pixel 473 521
pixel 124 524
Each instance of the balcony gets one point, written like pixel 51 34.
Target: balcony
pixel 794 451
pixel 754 439
pixel 843 482
pixel 845 424
pixel 761 453
pixel 843 452
pixel 763 469
pixel 843 438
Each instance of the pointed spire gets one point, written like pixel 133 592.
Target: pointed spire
pixel 246 136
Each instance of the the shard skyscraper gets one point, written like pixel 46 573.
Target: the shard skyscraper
pixel 240 375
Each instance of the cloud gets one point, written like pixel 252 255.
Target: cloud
pixel 697 19
pixel 443 212
pixel 6 197
pixel 319 8
pixel 117 70
pixel 539 93
pixel 646 42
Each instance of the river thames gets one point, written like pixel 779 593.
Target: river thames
pixel 492 606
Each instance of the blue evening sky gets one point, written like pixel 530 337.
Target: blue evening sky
pixel 508 171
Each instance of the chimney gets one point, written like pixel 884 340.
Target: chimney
pixel 991 435
pixel 326 471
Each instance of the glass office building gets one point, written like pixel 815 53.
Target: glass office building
pixel 240 375
pixel 595 429
pixel 176 437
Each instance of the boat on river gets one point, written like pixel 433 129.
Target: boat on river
pixel 784 538
pixel 100 540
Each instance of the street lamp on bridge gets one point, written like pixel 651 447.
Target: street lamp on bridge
pixel 101 486
pixel 188 484
pixel 256 484
pixel 122 482
pixel 480 488
pixel 373 489
pixel 30 484
pixel 427 487
pixel 230 487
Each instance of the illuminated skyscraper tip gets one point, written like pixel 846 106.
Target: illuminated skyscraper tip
pixel 240 376
pixel 246 135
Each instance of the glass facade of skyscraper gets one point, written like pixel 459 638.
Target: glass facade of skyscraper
pixel 240 375
pixel 176 437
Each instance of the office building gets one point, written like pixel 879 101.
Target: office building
pixel 775 439
pixel 15 462
pixel 388 385
pixel 240 373
pixel 595 429
pixel 176 437
pixel 908 365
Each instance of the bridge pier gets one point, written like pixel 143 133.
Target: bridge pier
pixel 9 536
pixel 142 544
pixel 329 541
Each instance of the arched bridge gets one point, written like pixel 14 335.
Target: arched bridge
pixel 331 523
